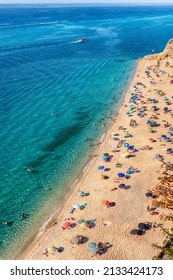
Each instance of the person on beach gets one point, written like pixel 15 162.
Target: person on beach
pixel 45 252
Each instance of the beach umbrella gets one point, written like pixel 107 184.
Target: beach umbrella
pixel 101 167
pixel 83 225
pixel 121 175
pixel 166 109
pixel 75 239
pixel 127 154
pixel 130 148
pixel 105 203
pixel 170 132
pixel 106 154
pixel 134 231
pixel 93 251
pixel 142 226
pixel 75 206
pixel 52 249
pixel 129 171
pixel 158 157
pixel 126 145
pixel 113 147
pixel 66 225
pixel 121 186
pixel 149 194
pixel 116 139
pixel 92 245
pixel 81 193
pixel 81 221
pixel 82 204
pixel 104 158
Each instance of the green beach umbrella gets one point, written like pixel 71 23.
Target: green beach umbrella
pixel 106 154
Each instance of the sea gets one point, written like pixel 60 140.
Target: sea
pixel 57 95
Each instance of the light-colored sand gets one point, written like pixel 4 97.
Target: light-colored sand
pixel 131 204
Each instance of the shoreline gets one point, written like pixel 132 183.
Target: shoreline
pixel 33 250
pixel 55 215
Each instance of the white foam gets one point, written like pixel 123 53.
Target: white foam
pixel 101 139
pixel 43 227
pixel 86 166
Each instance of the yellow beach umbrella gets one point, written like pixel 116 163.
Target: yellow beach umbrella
pixel 52 249
pixel 127 154
pixel 83 225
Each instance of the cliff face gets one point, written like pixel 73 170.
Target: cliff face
pixel 167 52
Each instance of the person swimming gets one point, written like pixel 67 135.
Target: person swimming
pixel 28 169
pixel 22 216
pixel 5 223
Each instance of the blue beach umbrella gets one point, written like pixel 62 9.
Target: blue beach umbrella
pixel 131 148
pixel 92 245
pixel 126 145
pixel 121 175
pixel 121 186
pixel 81 193
pixel 104 158
pixel 129 171
pixel 101 167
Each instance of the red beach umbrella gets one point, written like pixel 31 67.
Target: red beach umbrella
pixel 105 203
pixel 66 225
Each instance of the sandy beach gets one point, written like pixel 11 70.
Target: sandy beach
pixel 127 197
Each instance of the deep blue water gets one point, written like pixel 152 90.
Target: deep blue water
pixel 52 91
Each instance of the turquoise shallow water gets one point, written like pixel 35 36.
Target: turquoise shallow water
pixel 52 90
